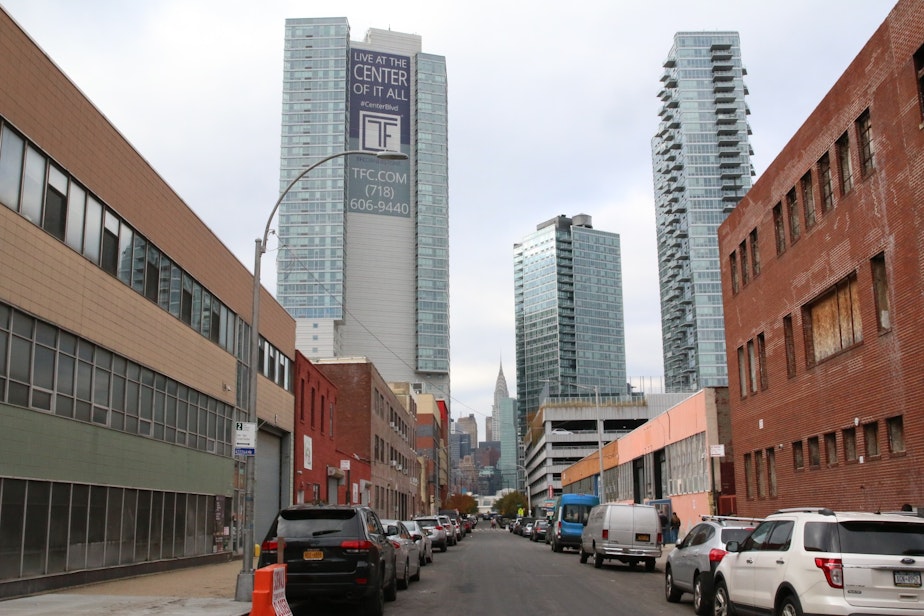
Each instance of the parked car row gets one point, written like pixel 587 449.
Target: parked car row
pixel 798 561
pixel 346 553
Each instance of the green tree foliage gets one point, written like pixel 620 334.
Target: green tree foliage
pixel 463 502
pixel 509 504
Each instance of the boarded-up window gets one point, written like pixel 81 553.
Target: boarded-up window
pixel 827 186
pixel 871 437
pixel 831 448
pixel 755 254
pixel 795 220
pixel 896 428
pixel 761 474
pixel 798 455
pixel 762 360
pixel 790 346
pixel 779 228
pixel 771 470
pixel 844 164
pixel 748 475
pixel 850 444
pixel 808 199
pixel 752 365
pixel 881 292
pixel 742 373
pixel 733 266
pixel 832 323
pixel 743 259
pixel 814 452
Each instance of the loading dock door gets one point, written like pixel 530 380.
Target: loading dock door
pixel 267 490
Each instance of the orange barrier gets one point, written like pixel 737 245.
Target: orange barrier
pixel 269 592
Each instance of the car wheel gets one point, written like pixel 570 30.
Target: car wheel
pixel 430 557
pixel 598 561
pixel 443 548
pixel 556 547
pixel 584 555
pixel 790 607
pixel 721 605
pixel 375 604
pixel 701 603
pixel 391 591
pixel 416 576
pixel 405 580
pixel 671 592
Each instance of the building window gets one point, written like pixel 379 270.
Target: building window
pixel 790 346
pixel 832 322
pixel 755 253
pixel 919 71
pixel 814 452
pixel 748 476
pixel 798 456
pixel 844 166
pixel 896 428
pixel 779 229
pixel 743 258
pixel 761 474
pixel 865 141
pixel 762 360
pixel 742 373
pixel 808 199
pixel 831 448
pixel 850 444
pixel 733 266
pixel 881 293
pixel 771 470
pixel 752 367
pixel 795 221
pixel 871 439
pixel 827 184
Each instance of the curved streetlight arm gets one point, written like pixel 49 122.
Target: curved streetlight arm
pixel 244 589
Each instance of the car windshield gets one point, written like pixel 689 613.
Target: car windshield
pixel 428 522
pixel 316 523
pixel 575 513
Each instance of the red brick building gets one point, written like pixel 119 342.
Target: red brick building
pixel 373 426
pixel 822 282
pixel 318 461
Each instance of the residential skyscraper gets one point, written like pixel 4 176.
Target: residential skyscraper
pixel 701 157
pixel 568 310
pixel 363 261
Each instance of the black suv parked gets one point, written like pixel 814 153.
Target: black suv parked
pixel 334 552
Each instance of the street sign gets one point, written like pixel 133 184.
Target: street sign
pixel 245 438
pixel 344 465
pixel 717 451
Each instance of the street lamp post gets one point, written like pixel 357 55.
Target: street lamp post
pixel 529 499
pixel 244 590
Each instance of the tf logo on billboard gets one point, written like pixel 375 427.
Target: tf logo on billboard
pixel 379 131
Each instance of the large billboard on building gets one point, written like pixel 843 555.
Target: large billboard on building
pixel 380 119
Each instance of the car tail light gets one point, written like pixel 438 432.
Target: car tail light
pixel 269 547
pixel 716 555
pixel 834 571
pixel 397 544
pixel 660 538
pixel 438 527
pixel 606 534
pixel 355 546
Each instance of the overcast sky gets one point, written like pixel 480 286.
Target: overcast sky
pixel 552 108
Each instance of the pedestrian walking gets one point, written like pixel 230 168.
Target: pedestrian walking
pixel 675 527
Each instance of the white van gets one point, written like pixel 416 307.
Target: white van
pixel 629 533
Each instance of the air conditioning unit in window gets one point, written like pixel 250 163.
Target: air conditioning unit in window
pixel 394 463
pixel 399 467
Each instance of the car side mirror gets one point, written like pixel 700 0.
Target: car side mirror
pixel 732 546
pixel 391 530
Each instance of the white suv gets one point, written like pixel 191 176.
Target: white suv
pixel 817 561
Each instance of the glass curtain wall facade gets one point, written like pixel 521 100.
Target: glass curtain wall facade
pixel 570 329
pixel 363 264
pixel 701 158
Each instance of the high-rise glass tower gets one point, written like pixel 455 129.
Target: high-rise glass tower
pixel 701 158
pixel 363 262
pixel 568 309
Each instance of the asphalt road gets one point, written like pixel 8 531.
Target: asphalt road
pixel 496 573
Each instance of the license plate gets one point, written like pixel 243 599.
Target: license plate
pixel 644 538
pixel 313 555
pixel 908 579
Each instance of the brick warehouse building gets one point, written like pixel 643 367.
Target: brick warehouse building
pixel 374 425
pixel 123 352
pixel 822 281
